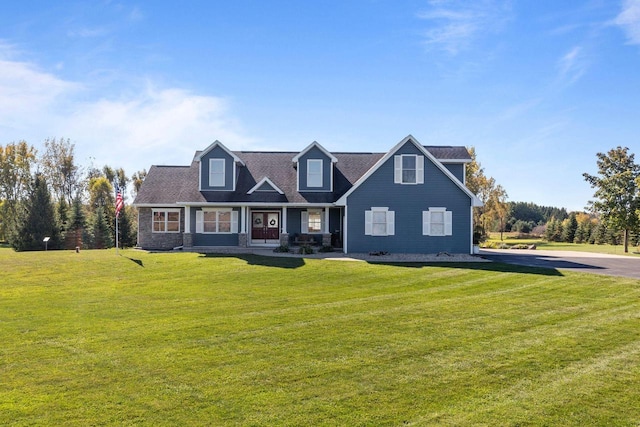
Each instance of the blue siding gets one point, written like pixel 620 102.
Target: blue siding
pixel 408 202
pixel 293 221
pixel 217 153
pixel 315 153
pixel 214 239
pixel 457 169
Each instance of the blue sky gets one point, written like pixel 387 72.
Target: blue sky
pixel 537 87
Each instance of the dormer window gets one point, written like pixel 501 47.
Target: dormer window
pixel 216 172
pixel 409 169
pixel 314 173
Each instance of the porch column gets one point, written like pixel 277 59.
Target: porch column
pixel 284 235
pixel 187 237
pixel 242 236
pixel 326 234
pixel 326 221
pixel 284 219
pixel 187 219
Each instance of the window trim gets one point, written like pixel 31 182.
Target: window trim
pixel 319 176
pixel 166 220
pixel 233 222
pixel 427 222
pixel 223 174
pixel 304 221
pixel 398 172
pixel 390 229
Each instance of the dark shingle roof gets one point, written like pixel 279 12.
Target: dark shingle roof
pixel 180 184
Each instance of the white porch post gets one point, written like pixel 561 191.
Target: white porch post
pixel 326 221
pixel 187 219
pixel 243 219
pixel 284 219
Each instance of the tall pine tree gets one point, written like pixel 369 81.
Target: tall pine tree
pixel 36 220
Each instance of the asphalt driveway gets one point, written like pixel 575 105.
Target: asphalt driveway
pixel 612 265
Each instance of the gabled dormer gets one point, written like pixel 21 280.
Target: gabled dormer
pixel 315 169
pixel 218 168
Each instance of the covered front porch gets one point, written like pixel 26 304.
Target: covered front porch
pixel 263 226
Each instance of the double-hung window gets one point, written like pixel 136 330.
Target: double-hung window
pixel 217 172
pixel 166 220
pixel 312 221
pixel 379 221
pixel 437 222
pixel 219 221
pixel 314 173
pixel 408 169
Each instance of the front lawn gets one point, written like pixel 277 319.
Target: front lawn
pixel 93 338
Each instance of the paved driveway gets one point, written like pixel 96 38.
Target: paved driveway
pixel 613 265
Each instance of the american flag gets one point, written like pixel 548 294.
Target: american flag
pixel 119 201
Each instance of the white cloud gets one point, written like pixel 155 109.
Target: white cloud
pixel 146 125
pixel 629 20
pixel 572 66
pixel 456 24
pixel 154 126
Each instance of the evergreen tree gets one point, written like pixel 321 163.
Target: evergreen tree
pixel 126 239
pixel 36 220
pixel 77 225
pixel 569 227
pixel 62 215
pixel 101 234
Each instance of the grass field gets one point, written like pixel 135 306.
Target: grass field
pixel 512 239
pixel 186 339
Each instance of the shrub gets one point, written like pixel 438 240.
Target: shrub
pixel 282 248
pixel 306 250
pixel 326 248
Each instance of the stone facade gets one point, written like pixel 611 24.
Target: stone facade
pixel 242 240
pixel 149 240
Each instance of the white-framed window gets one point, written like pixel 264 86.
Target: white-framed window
pixel 165 220
pixel 379 221
pixel 312 221
pixel 314 172
pixel 408 169
pixel 219 221
pixel 437 222
pixel 216 172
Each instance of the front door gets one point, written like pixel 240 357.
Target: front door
pixel 265 226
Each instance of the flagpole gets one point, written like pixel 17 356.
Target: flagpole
pixel 116 234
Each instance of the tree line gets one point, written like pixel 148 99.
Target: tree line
pixel 613 217
pixel 51 195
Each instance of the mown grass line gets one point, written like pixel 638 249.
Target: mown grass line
pixel 174 339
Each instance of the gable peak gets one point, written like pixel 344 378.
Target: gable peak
pixel 315 144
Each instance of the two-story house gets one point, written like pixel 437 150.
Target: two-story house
pixel 412 199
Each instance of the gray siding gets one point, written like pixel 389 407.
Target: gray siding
pixel 217 153
pixel 315 153
pixel 408 202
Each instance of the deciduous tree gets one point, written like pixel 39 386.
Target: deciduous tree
pixel 617 197
pixel 59 168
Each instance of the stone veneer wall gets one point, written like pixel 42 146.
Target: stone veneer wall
pixel 147 239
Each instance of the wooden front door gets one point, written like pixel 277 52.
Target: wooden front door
pixel 265 226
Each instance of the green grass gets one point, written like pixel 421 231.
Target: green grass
pixel 512 239
pixel 185 339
